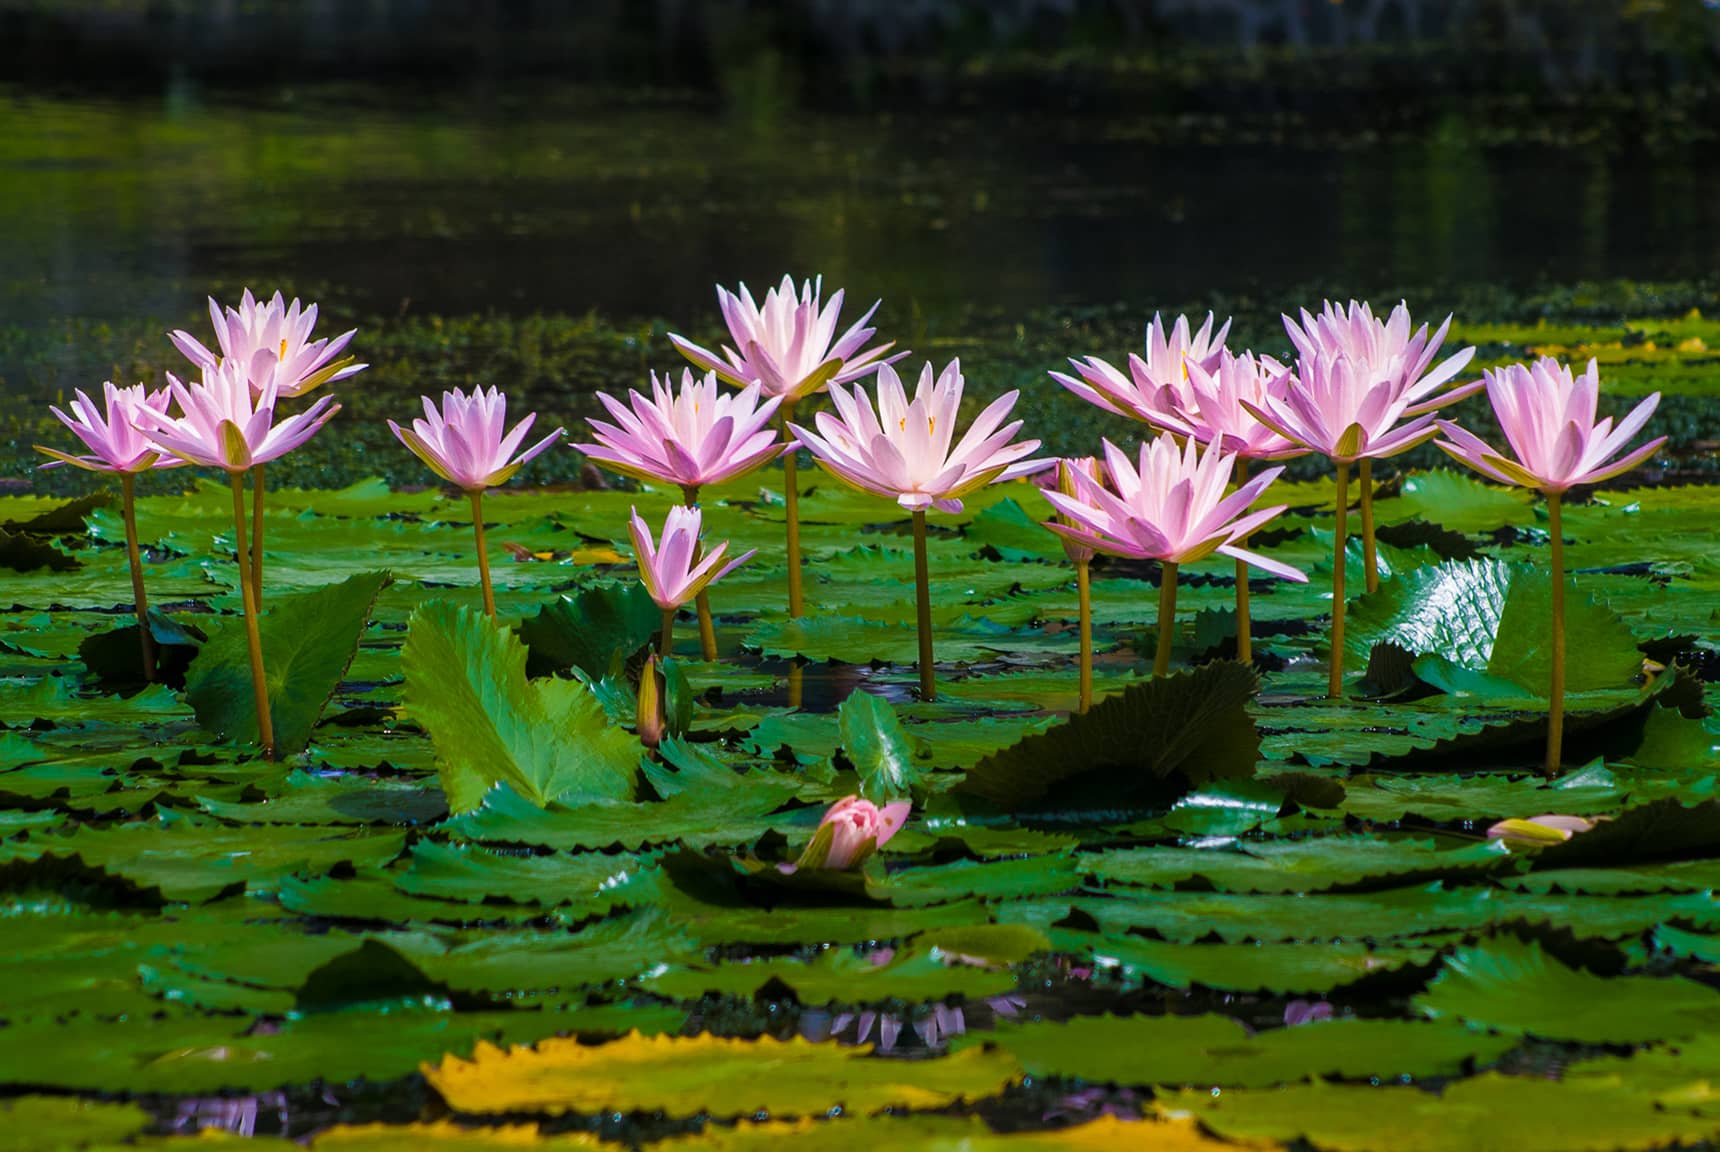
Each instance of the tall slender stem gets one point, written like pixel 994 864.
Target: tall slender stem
pixel 1556 689
pixel 1167 617
pixel 707 629
pixel 666 642
pixel 253 636
pixel 1340 538
pixel 1084 591
pixel 139 600
pixel 1370 550
pixel 1244 625
pixel 923 606
pixel 257 534
pixel 791 506
pixel 477 496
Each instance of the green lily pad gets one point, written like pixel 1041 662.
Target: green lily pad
pixel 1509 986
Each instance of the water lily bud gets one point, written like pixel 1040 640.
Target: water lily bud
pixel 652 714
pixel 1539 830
pixel 851 831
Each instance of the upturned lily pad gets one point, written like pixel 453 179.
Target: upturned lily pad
pixel 1192 725
pixel 546 739
pixel 308 641
pixel 589 629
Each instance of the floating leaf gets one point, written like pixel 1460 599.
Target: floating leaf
pixel 1491 1111
pixel 447 1136
pixel 1509 986
pixel 1313 865
pixel 684 1076
pixel 1216 1050
pixel 1305 966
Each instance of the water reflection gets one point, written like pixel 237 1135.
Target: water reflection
pixel 622 158
pixel 237 1115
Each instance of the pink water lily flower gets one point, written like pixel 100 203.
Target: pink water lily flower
pixel 111 431
pixel 271 343
pixel 1332 408
pixel 788 345
pixel 1155 386
pixel 695 437
pixel 1211 407
pixel 672 568
pixel 1172 508
pixel 464 442
pixel 224 424
pixel 1385 351
pixel 902 448
pixel 1548 417
pixel 859 827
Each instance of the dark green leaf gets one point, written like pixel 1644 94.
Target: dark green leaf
pixel 1193 725
pixel 308 641
pixel 587 629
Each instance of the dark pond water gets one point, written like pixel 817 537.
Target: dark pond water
pixel 624 161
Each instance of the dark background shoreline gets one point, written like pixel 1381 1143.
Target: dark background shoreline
pixel 530 195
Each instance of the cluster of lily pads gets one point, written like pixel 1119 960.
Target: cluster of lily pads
pixel 1125 906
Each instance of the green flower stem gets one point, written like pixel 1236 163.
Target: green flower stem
pixel 666 642
pixel 923 603
pixel 707 629
pixel 1340 533
pixel 1084 590
pixel 257 534
pixel 791 507
pixel 1167 617
pixel 477 495
pixel 1556 690
pixel 1370 550
pixel 140 601
pixel 1244 626
pixel 247 592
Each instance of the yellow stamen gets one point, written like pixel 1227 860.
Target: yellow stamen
pixel 283 355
